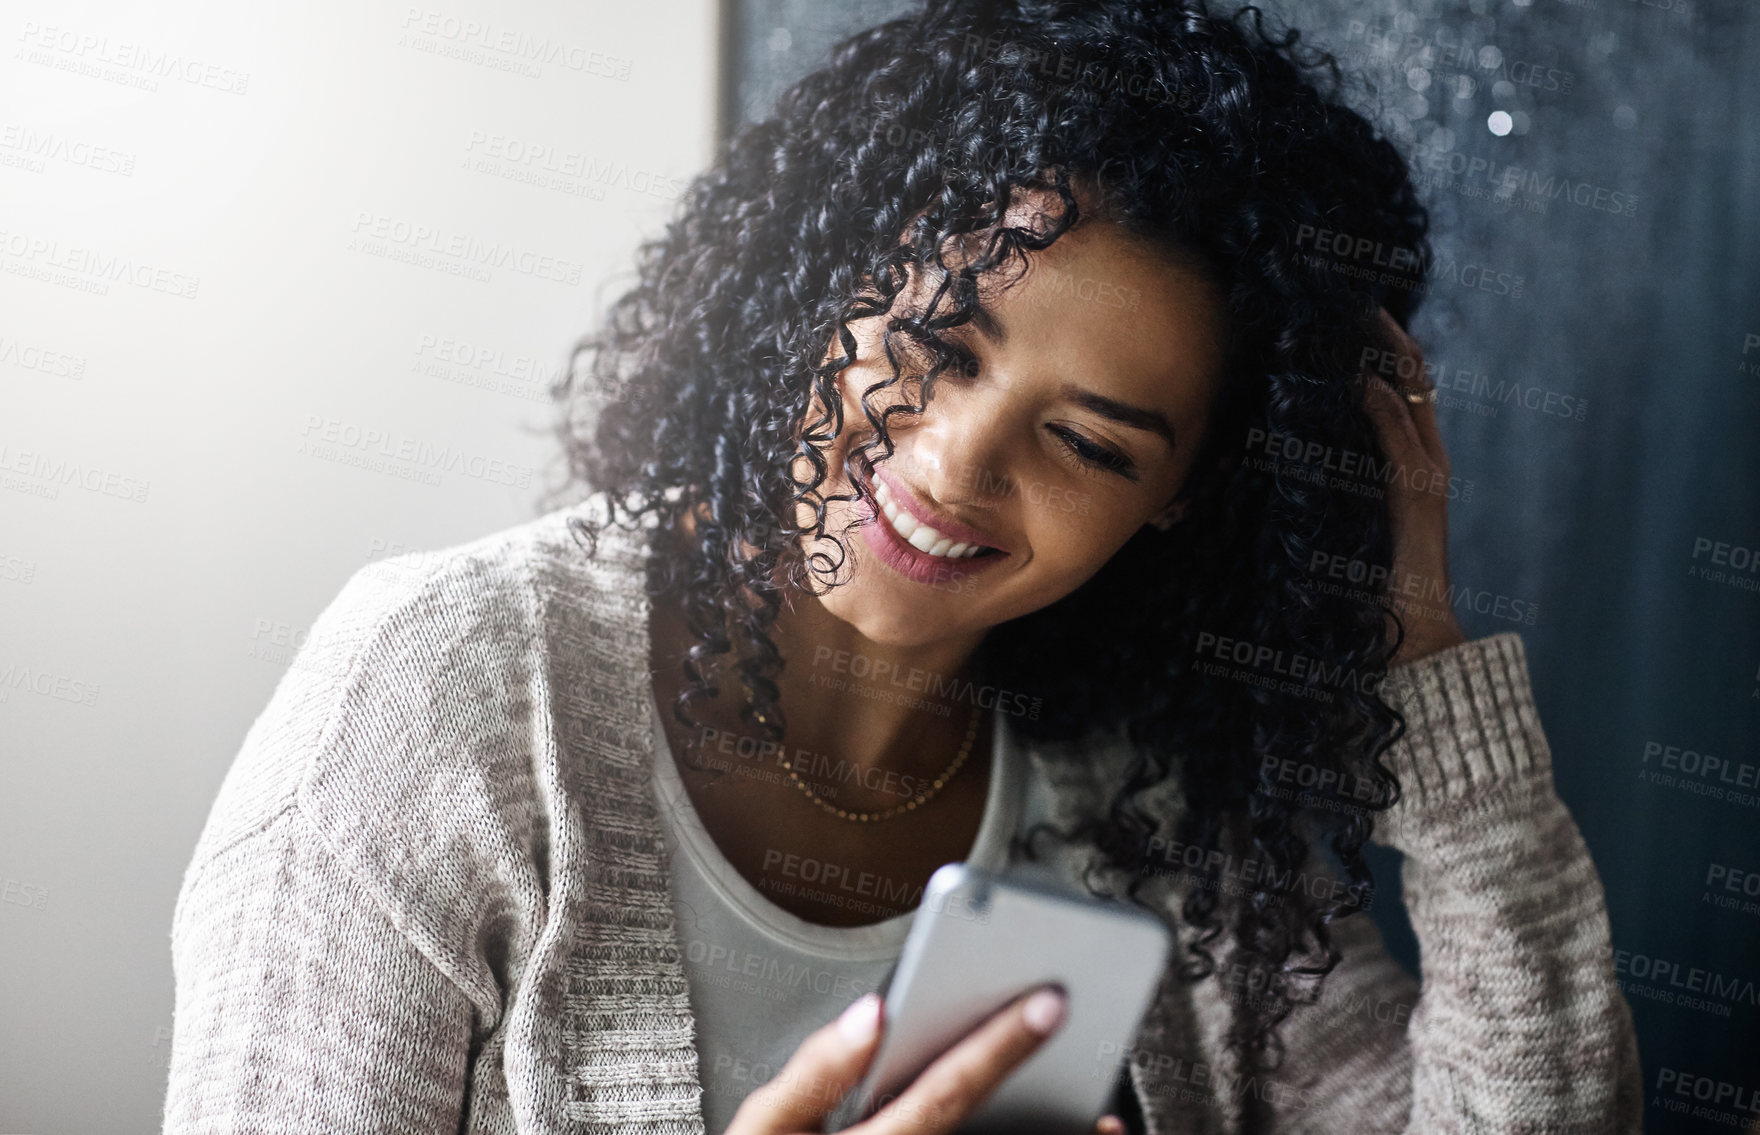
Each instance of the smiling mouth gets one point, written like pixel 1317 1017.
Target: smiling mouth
pixel 923 537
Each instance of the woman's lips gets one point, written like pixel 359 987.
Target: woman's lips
pixel 946 526
pixel 937 571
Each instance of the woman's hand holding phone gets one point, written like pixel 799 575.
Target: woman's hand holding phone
pixel 832 1060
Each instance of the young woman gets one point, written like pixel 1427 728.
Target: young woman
pixel 1020 457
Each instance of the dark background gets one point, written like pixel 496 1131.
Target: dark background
pixel 1629 440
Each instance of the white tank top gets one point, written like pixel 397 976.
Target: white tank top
pixel 762 978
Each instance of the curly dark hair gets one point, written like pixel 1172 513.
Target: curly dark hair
pixel 1211 139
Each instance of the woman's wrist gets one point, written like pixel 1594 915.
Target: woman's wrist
pixel 1423 642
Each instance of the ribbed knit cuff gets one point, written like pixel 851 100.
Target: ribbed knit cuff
pixel 1471 731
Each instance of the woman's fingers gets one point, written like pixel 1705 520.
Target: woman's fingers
pixel 1408 431
pixel 964 1076
pixel 822 1070
pixel 1109 1125
pixel 1390 412
pixel 1403 370
pixel 1418 488
pixel 1423 416
pixel 832 1059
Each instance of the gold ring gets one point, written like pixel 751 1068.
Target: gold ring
pixel 1419 397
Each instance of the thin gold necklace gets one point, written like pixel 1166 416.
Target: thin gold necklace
pixel 909 805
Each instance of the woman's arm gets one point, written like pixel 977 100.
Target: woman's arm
pixel 321 941
pixel 1519 1024
pixel 300 1006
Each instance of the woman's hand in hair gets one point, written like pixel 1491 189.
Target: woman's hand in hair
pixel 832 1059
pixel 1418 490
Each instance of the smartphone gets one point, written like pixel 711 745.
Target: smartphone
pixel 978 940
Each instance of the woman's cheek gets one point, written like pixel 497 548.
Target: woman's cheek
pixel 1064 542
pixel 1095 529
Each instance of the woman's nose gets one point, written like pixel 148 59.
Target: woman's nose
pixel 962 444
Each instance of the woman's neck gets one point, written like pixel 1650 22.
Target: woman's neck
pixel 875 705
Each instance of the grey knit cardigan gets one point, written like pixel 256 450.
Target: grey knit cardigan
pixel 432 896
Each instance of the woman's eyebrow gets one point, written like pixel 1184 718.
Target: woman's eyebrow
pixel 1137 417
pixel 1123 413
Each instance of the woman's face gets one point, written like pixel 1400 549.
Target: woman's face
pixel 1077 424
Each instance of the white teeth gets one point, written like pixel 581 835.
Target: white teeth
pixel 902 522
pixel 919 536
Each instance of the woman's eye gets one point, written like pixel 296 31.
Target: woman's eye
pixel 1093 455
pixel 963 363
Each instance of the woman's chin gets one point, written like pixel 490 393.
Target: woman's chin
pixel 883 618
pixel 895 604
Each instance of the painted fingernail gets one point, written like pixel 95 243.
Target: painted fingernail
pixel 1044 1010
pixel 861 1020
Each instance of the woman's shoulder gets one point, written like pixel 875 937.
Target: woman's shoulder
pixel 417 718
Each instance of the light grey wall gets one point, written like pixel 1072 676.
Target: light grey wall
pixel 284 311
pixel 1608 417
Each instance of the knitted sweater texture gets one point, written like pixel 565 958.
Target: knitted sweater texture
pixel 431 895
